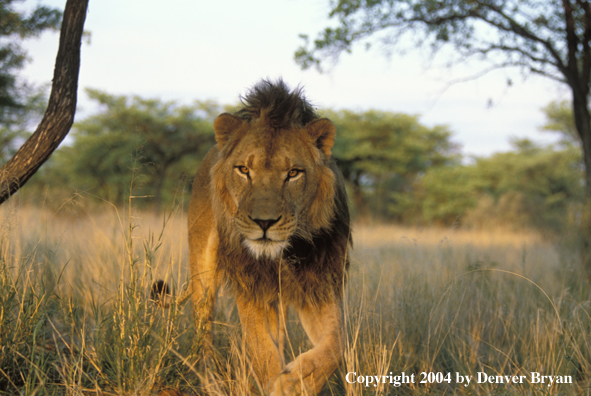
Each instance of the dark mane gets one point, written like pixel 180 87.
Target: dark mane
pixel 280 106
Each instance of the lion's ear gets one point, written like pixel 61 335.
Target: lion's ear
pixel 223 126
pixel 322 132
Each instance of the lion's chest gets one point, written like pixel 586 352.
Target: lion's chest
pixel 315 276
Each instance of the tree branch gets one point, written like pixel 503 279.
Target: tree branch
pixel 515 27
pixel 519 51
pixel 59 116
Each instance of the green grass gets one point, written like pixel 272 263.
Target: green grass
pixel 75 317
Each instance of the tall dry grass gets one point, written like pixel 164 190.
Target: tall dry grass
pixel 75 317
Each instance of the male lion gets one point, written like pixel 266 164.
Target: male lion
pixel 269 214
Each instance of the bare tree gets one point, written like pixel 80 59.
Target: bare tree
pixel 59 116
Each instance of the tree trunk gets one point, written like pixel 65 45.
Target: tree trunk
pixel 59 116
pixel 363 214
pixel 583 124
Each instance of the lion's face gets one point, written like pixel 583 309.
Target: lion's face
pixel 273 184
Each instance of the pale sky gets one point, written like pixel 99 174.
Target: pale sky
pixel 185 50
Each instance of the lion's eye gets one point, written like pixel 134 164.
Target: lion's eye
pixel 293 173
pixel 243 170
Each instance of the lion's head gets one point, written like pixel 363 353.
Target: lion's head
pixel 273 180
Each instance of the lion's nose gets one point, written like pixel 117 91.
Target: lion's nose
pixel 266 224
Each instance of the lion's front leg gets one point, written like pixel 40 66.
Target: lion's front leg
pixel 308 373
pixel 204 296
pixel 264 330
pixel 205 281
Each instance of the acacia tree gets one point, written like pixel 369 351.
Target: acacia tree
pixel 158 136
pixel 559 119
pixel 382 154
pixel 551 38
pixel 59 116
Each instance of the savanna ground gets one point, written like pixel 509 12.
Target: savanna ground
pixel 75 317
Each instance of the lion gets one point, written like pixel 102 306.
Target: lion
pixel 268 215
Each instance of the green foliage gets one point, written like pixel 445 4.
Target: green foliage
pixel 20 103
pixel 548 179
pixel 134 140
pixel 531 186
pixel 17 122
pixel 560 119
pixel 381 155
pixel 445 193
pixel 536 171
pixel 400 170
pixel 15 26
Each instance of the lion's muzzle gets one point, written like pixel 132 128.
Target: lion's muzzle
pixel 263 237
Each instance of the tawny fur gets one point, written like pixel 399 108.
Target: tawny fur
pixel 269 214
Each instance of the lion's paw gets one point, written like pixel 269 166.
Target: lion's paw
pixel 286 385
pixel 293 378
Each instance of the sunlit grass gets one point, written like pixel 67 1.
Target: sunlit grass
pixel 75 317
